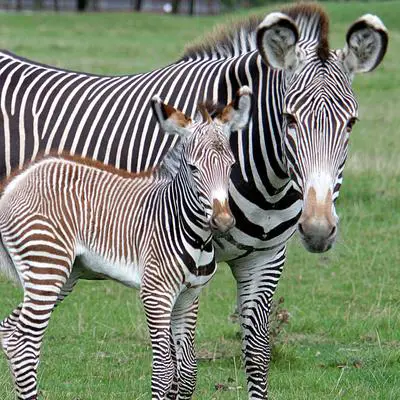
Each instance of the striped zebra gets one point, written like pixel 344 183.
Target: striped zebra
pixel 290 158
pixel 63 219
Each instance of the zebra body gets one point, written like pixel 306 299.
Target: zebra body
pixel 63 219
pixel 290 159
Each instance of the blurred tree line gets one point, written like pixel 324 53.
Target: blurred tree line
pixel 137 5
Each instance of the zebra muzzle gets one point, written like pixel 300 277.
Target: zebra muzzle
pixel 317 225
pixel 222 219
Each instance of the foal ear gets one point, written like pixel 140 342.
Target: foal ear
pixel 367 40
pixel 277 37
pixel 236 114
pixel 171 120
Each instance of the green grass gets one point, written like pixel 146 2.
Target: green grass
pixel 343 339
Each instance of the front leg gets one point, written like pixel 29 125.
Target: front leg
pixel 173 392
pixel 158 307
pixel 184 318
pixel 257 277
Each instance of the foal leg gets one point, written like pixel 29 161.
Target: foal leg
pixel 43 283
pixel 184 318
pixel 158 307
pixel 9 323
pixel 7 326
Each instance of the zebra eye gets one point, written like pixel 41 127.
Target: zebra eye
pixel 193 168
pixel 350 124
pixel 290 121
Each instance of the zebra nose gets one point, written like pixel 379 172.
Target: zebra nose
pixel 317 234
pixel 222 219
pixel 222 222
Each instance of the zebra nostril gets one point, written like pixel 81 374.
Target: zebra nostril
pixel 300 228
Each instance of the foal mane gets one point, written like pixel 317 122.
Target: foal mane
pixel 79 160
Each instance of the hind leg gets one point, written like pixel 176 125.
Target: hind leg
pixel 9 323
pixel 44 284
pixel 24 344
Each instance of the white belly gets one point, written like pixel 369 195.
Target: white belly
pixel 127 274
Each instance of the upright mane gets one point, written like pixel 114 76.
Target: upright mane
pixel 239 37
pixel 313 24
pixel 227 40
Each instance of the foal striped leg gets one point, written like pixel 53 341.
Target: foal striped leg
pixel 23 345
pixel 7 326
pixel 158 308
pixel 9 323
pixel 44 270
pixel 184 317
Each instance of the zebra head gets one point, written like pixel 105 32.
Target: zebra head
pixel 319 108
pixel 206 151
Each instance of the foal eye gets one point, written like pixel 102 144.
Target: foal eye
pixel 350 124
pixel 193 168
pixel 290 121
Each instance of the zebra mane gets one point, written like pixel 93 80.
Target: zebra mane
pixel 313 24
pixel 76 159
pixel 228 40
pixel 239 37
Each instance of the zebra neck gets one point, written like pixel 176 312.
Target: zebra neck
pixel 258 148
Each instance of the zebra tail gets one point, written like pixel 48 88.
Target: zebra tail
pixel 7 266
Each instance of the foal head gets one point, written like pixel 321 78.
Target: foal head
pixel 206 151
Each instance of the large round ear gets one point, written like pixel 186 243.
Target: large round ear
pixel 171 120
pixel 236 114
pixel 367 41
pixel 277 37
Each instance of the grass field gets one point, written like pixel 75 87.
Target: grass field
pixel 343 339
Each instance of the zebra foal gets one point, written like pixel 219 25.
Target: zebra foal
pixel 63 219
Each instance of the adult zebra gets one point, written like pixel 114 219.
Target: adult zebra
pixel 290 159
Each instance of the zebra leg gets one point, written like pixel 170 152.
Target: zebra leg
pixel 158 308
pixel 7 327
pixel 173 392
pixel 9 323
pixel 40 297
pixel 184 318
pixel 68 285
pixel 257 277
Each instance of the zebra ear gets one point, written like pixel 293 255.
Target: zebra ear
pixel 277 37
pixel 236 114
pixel 171 120
pixel 367 41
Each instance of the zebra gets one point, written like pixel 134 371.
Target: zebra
pixel 290 158
pixel 64 219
